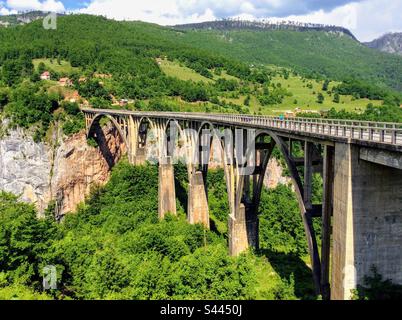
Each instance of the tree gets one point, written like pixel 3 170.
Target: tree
pixel 337 98
pixel 325 85
pixel 41 68
pixel 320 98
pixel 4 98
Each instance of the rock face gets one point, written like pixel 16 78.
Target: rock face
pixel 78 167
pixel 25 168
pixel 39 173
pixel 391 43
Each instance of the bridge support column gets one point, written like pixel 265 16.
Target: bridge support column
pixel 243 231
pixel 198 211
pixel 141 157
pixel 367 224
pixel 167 193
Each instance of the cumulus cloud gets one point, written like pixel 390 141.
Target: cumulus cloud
pixel 366 18
pixel 259 8
pixel 46 5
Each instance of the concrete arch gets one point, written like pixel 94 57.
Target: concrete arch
pixel 95 122
pixel 299 189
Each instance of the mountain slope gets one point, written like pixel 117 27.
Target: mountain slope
pixel 391 43
pixel 325 53
pixel 87 40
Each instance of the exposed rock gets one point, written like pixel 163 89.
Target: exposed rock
pixel 39 173
pixel 391 43
pixel 274 176
pixel 25 168
pixel 78 167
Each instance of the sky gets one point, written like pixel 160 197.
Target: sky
pixel 367 19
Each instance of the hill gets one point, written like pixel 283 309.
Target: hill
pixel 324 53
pixel 391 43
pixel 236 24
pixel 162 69
pixel 314 52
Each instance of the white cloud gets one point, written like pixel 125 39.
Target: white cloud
pixel 367 19
pixel 47 5
pixel 165 12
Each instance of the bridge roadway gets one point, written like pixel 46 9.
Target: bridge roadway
pixel 380 135
pixel 360 163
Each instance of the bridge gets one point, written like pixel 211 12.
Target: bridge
pixel 360 162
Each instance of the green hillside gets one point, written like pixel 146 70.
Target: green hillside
pixel 316 53
pixel 162 69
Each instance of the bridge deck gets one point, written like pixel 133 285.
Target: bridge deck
pixel 371 134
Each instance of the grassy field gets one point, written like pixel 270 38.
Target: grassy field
pixel 176 70
pixel 179 71
pixel 303 97
pixel 63 67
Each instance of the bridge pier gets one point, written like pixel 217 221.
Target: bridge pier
pixel 198 211
pixel 141 157
pixel 167 193
pixel 367 225
pixel 243 231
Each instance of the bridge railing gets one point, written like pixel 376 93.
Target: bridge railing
pixel 380 132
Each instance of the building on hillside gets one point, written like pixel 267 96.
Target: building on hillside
pixel 123 102
pixel 45 75
pixel 290 114
pixel 65 82
pixel 72 96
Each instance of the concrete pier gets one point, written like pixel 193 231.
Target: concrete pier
pixel 367 221
pixel 198 211
pixel 243 231
pixel 167 193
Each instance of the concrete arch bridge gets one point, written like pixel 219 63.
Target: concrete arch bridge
pixel 360 162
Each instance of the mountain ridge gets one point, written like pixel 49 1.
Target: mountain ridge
pixel 390 43
pixel 231 24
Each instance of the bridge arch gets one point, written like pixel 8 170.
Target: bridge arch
pixel 299 190
pixel 95 123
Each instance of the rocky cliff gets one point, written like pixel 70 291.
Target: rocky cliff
pixel 391 43
pixel 64 171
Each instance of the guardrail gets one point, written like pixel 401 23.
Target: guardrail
pixel 379 132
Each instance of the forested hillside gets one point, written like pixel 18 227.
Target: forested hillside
pixel 115 247
pixel 312 52
pixel 156 68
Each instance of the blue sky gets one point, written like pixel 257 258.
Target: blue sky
pixel 367 19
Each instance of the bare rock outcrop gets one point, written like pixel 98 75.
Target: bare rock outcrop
pixel 65 172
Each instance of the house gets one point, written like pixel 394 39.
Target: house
pixel 123 102
pixel 45 75
pixel 72 96
pixel 65 82
pixel 290 114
